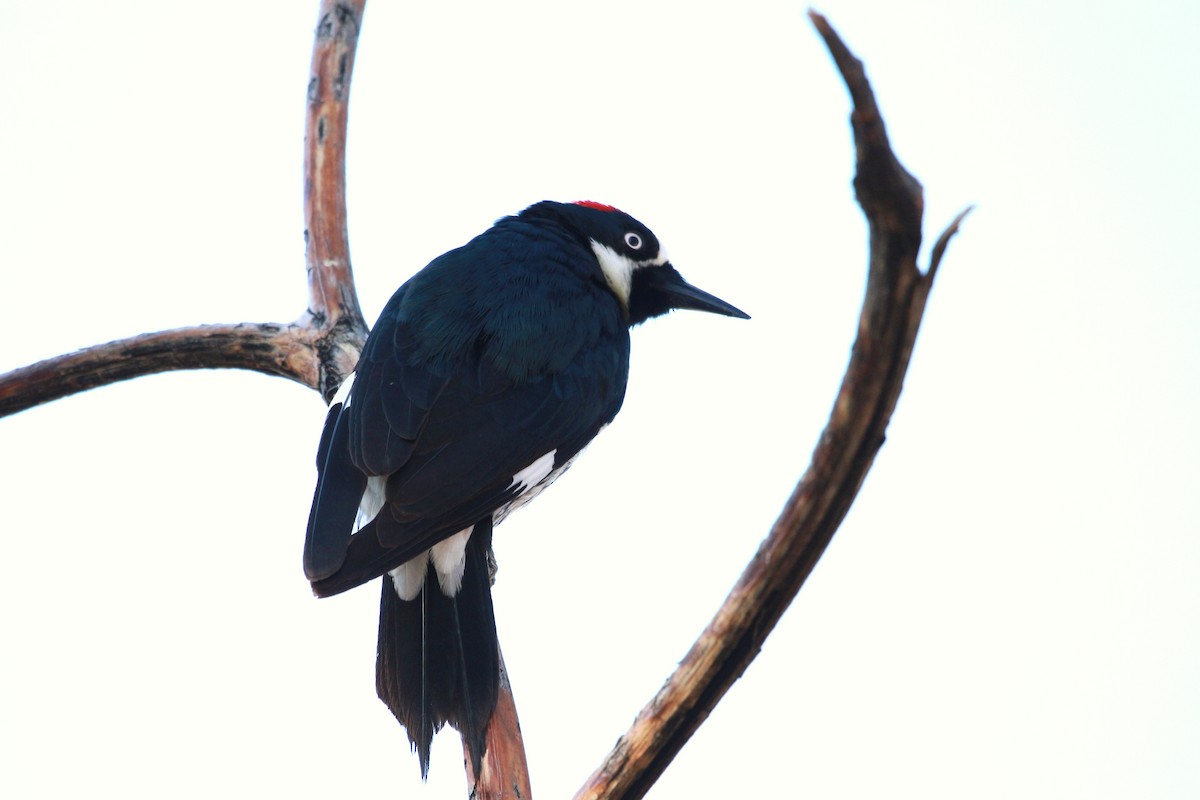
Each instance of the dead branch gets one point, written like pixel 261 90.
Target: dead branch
pixel 505 772
pixel 333 300
pixel 284 350
pixel 318 350
pixel 322 347
pixel 891 316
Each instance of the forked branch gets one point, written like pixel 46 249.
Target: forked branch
pixel 322 346
pixel 891 315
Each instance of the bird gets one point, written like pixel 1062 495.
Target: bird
pixel 484 377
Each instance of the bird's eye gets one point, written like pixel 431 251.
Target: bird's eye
pixel 633 240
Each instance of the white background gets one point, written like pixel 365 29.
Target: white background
pixel 1012 608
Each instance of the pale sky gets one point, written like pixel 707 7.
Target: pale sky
pixel 1012 607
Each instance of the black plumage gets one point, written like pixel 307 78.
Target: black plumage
pixel 486 373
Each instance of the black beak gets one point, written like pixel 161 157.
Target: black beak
pixel 666 282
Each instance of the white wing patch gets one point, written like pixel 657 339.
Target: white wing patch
pixel 343 393
pixel 372 501
pixel 532 490
pixel 535 473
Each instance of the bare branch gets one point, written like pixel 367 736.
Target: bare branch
pixel 891 315
pixel 284 350
pixel 939 247
pixel 333 300
pixel 505 773
pixel 320 348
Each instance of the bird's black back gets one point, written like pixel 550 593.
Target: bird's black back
pixel 495 354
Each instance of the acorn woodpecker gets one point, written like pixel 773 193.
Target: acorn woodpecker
pixel 485 376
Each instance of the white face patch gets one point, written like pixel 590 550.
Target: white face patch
pixel 618 268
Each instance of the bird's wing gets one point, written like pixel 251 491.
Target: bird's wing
pixel 340 487
pixel 450 443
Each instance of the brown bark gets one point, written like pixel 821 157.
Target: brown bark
pixel 321 348
pixel 333 301
pixel 505 773
pixel 284 350
pixel 891 315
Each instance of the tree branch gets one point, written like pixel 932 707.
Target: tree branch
pixel 284 350
pixel 891 315
pixel 333 301
pixel 505 772
pixel 320 348
pixel 334 309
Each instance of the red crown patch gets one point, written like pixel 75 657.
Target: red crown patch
pixel 595 205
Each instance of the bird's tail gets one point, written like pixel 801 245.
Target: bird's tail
pixel 438 659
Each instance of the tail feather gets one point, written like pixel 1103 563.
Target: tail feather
pixel 400 666
pixel 438 658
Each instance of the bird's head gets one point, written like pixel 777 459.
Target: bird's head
pixel 634 262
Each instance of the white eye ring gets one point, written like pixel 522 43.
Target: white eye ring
pixel 633 241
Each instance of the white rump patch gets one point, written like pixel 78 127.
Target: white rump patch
pixel 409 577
pixel 534 474
pixel 449 557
